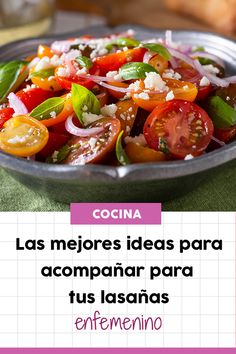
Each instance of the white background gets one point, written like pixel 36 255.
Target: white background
pixel 35 311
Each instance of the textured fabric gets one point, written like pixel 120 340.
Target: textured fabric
pixel 218 194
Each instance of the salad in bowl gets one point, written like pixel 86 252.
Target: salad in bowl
pixel 115 101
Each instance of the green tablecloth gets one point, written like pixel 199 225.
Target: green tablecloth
pixel 218 194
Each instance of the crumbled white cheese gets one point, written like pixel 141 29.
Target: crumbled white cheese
pixel 109 110
pixel 135 86
pixel 211 69
pixel 204 81
pixel 171 74
pixel 189 157
pixel 185 87
pixel 154 81
pixel 111 74
pixel 71 55
pixel 89 118
pixel 92 142
pixel 142 96
pixel 43 64
pixel 170 96
pixel 63 71
pixel 53 114
pixel 81 71
pixel 139 139
pixel 56 60
pixel 125 49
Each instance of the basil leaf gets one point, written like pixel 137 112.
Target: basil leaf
pixel 55 104
pixel 199 49
pixel 82 97
pixel 62 154
pixel 9 74
pixel 84 62
pixel 132 71
pixel 221 113
pixel 159 49
pixel 43 73
pixel 120 152
pixel 126 42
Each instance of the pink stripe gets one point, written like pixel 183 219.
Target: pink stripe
pixel 119 350
pixel 115 213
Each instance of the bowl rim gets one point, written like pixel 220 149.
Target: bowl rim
pixel 134 172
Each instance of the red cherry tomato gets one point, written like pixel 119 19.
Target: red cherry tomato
pixel 82 152
pixel 55 142
pixel 193 76
pixel 225 135
pixel 179 128
pixel 113 62
pixel 33 97
pixel 5 114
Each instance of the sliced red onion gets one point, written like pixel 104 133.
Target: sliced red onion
pixel 72 129
pixel 16 104
pixel 209 56
pixel 114 88
pixel 98 78
pixel 169 40
pixel 177 54
pixel 221 143
pixel 147 56
pixel 212 78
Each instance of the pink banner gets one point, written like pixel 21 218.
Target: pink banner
pixel 115 213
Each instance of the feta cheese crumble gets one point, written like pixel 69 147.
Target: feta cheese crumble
pixel 89 118
pixel 170 96
pixel 109 110
pixel 171 74
pixel 154 82
pixel 204 81
pixel 211 69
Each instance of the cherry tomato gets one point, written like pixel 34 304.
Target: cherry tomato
pixel 102 96
pixel 62 116
pixel 33 97
pixel 72 67
pixel 179 128
pixel 44 51
pixel 159 63
pixel 113 61
pixel 138 154
pixel 87 150
pixel 181 90
pixel 55 142
pixel 117 94
pixel 193 76
pixel 126 113
pixel 225 135
pixel 5 115
pixel 47 84
pixel 23 136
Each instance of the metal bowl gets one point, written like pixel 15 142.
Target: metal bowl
pixel 137 182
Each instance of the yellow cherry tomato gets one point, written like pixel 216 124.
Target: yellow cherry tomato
pixel 44 51
pixel 138 154
pixel 180 90
pixel 61 117
pixel 47 84
pixel 159 63
pixel 23 136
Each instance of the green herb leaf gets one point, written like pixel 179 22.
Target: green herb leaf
pixel 221 113
pixel 84 62
pixel 9 74
pixel 82 97
pixel 199 49
pixel 63 153
pixel 132 71
pixel 43 73
pixel 120 152
pixel 43 111
pixel 126 42
pixel 159 49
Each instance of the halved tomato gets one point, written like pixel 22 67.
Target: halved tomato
pixel 178 128
pixel 5 115
pixel 193 76
pixel 139 154
pixel 23 136
pixel 181 91
pixel 44 51
pixel 126 113
pixel 159 63
pixel 113 61
pixel 47 84
pixel 225 135
pixel 33 97
pixel 96 148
